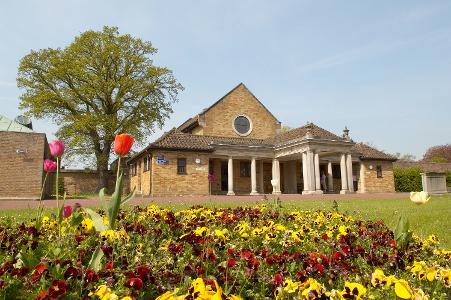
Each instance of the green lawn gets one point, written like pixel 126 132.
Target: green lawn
pixel 432 217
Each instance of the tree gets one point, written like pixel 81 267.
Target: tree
pixel 102 84
pixel 405 157
pixel 438 154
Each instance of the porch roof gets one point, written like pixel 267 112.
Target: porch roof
pixel 367 152
pixel 300 132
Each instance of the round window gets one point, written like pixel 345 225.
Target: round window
pixel 242 125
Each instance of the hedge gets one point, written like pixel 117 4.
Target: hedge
pixel 408 180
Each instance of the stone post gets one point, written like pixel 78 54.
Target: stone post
pixel 344 175
pixel 311 171
pixel 317 175
pixel 275 176
pixel 349 172
pixel 330 177
pixel 253 177
pixel 362 178
pixel 230 177
pixel 305 173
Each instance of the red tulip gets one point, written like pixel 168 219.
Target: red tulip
pixel 49 165
pixel 56 148
pixel 123 143
pixel 67 211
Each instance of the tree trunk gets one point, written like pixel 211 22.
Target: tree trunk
pixel 103 178
pixel 102 166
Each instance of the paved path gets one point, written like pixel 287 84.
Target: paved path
pixel 216 199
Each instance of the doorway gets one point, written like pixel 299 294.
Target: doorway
pixel 224 176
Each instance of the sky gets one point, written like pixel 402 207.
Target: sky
pixel 381 68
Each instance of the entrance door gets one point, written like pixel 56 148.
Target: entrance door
pixel 224 176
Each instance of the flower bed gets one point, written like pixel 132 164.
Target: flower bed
pixel 251 253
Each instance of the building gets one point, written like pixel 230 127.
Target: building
pixel 22 152
pixel 236 147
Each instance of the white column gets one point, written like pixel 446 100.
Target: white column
pixel 311 171
pixel 317 176
pixel 344 175
pixel 253 177
pixel 362 178
pixel 305 173
pixel 330 178
pixel 275 176
pixel 349 172
pixel 230 177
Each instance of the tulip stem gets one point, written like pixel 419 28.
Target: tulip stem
pixel 57 183
pixel 118 168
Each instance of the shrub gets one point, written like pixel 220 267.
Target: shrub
pixel 408 180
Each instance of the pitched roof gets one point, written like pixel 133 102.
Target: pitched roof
pixel 425 166
pixel 10 125
pixel 175 139
pixel 316 131
pixel 194 120
pixel 367 152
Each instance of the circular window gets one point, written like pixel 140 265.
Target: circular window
pixel 242 125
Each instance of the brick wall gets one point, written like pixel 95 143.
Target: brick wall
pixel 219 119
pixel 21 174
pixel 166 181
pixel 78 182
pixel 386 184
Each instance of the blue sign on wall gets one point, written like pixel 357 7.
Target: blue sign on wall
pixel 161 160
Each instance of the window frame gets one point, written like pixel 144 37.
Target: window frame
pixel 379 171
pixel 245 169
pixel 181 169
pixel 250 125
pixel 147 162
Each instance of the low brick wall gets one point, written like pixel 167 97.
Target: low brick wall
pixel 78 182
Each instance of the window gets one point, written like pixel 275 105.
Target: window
pixel 181 165
pixel 211 167
pixel 147 161
pixel 133 169
pixel 245 169
pixel 242 125
pixel 379 171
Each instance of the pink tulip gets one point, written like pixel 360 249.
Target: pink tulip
pixel 49 165
pixel 56 148
pixel 67 211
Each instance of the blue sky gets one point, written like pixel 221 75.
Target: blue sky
pixel 382 68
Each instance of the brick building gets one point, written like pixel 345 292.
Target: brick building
pixel 22 152
pixel 235 147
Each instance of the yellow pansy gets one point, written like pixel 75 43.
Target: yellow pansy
pixel 378 278
pixel 298 236
pixel 87 225
pixel 257 231
pixel 270 236
pixel 445 275
pixel 201 231
pixel 108 235
pixel 280 227
pixel 403 290
pixel 353 290
pixel 311 289
pixel 221 233
pixel 290 286
pixel 433 239
pixel 45 220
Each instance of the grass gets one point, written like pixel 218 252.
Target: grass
pixel 430 218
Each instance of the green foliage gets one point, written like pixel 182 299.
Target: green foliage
pixel 438 159
pixel 407 180
pixel 448 178
pixel 403 235
pixel 102 84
